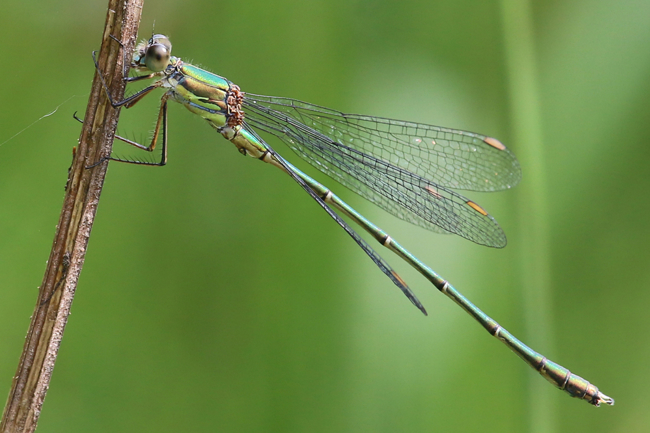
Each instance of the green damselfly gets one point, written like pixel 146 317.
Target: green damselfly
pixel 408 169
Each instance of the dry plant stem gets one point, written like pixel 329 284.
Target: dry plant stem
pixel 83 189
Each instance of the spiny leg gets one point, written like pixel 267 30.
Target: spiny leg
pixel 161 122
pixel 133 99
pixel 130 102
pixel 125 61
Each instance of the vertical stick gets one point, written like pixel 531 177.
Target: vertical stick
pixel 83 189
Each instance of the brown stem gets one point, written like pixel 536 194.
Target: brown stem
pixel 83 189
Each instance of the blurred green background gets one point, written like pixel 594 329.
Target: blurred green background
pixel 217 296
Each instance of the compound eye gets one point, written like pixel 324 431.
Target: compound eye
pixel 157 57
pixel 161 40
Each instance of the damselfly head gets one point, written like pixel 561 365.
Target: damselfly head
pixel 153 55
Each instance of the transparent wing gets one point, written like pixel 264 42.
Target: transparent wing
pixel 449 157
pixel 376 258
pixel 378 174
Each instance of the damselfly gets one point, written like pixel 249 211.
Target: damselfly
pixel 409 169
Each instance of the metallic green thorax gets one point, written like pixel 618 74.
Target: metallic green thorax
pixel 215 99
pixel 201 92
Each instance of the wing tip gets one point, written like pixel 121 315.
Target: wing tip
pixel 408 292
